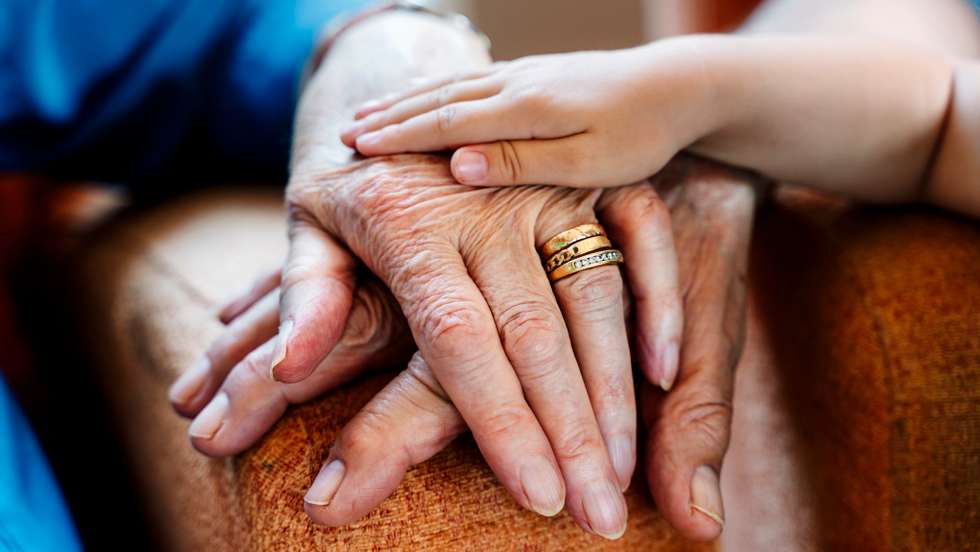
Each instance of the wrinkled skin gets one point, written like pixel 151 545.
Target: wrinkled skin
pixel 539 373
pixel 413 418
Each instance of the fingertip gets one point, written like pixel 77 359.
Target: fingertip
pixel 293 358
pixel 649 361
pixel 185 393
pixel 367 108
pixel 232 310
pixel 279 353
pixel 348 135
pixel 370 143
pixel 669 358
pixel 622 454
pixel 707 514
pixel 470 166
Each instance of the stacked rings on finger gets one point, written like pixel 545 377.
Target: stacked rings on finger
pixel 574 250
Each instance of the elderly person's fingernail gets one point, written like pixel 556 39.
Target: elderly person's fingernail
pixel 209 420
pixel 706 494
pixel 279 353
pixel 189 384
pixel 470 167
pixel 327 482
pixel 542 486
pixel 669 355
pixel 622 454
pixel 605 509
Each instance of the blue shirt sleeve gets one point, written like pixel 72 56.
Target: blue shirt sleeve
pixel 140 90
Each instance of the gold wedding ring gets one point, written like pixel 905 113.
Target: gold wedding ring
pixel 585 262
pixel 577 249
pixel 568 237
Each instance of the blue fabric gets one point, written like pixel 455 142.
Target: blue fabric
pixel 33 515
pixel 136 90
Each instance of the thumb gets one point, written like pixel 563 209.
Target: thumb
pixel 689 434
pixel 406 423
pixel 690 427
pixel 562 162
pixel 315 299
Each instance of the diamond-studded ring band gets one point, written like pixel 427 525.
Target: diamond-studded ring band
pixel 577 249
pixel 585 262
pixel 568 237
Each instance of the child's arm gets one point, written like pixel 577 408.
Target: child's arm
pixel 874 120
pixel 954 179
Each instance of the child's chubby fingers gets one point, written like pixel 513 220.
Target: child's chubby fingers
pixel 417 87
pixel 418 104
pixel 574 161
pixel 451 125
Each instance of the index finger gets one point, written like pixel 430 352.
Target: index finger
pixel 317 291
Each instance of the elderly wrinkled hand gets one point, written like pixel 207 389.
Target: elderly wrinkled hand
pixel 412 418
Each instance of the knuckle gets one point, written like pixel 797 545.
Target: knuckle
pixel 445 116
pixel 511 166
pixel 300 268
pixel 454 329
pixel 365 434
pixel 370 322
pixel 614 394
pixel 505 422
pixel 597 292
pixel 533 99
pixel 651 208
pixel 256 366
pixel 532 332
pixel 442 94
pixel 421 375
pixel 221 348
pixel 702 417
pixel 577 443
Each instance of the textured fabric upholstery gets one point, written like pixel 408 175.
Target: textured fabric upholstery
pixel 857 417
pixel 152 285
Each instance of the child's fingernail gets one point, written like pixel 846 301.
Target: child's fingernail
pixel 209 421
pixel 368 140
pixel 327 482
pixel 280 351
pixel 367 107
pixel 668 365
pixel 470 167
pixel 352 130
pixel 189 383
pixel 706 494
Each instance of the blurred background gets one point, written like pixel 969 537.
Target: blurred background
pixel 520 28
pixel 44 224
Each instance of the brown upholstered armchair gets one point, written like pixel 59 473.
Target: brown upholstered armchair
pixel 857 410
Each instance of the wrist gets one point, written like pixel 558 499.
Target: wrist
pixel 376 56
pixel 700 83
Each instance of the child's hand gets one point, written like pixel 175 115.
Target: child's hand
pixel 584 119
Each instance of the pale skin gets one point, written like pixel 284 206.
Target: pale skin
pixel 412 418
pixel 541 374
pixel 234 401
pixel 870 118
